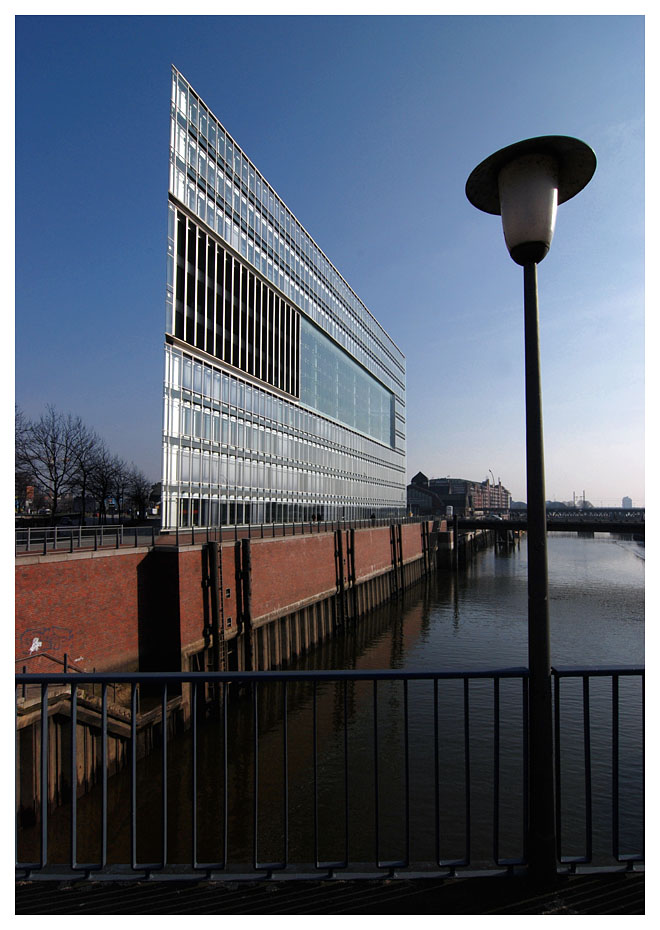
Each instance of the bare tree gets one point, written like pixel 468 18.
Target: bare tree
pixel 47 451
pixel 120 484
pixel 23 477
pixel 102 477
pixel 85 449
pixel 139 489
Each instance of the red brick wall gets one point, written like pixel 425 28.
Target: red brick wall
pixel 287 571
pixel 84 607
pixel 411 541
pixel 373 552
pixel 127 610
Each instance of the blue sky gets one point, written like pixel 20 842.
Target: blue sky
pixel 368 127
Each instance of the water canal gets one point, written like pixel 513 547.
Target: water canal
pixel 475 619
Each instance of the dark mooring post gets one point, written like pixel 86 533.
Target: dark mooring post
pixel 542 840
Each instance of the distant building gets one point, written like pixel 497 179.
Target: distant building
pixel 626 502
pixel 434 495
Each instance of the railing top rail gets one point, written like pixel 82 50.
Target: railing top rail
pixel 302 675
pixel 577 671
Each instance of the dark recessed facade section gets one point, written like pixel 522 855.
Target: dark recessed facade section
pixel 224 309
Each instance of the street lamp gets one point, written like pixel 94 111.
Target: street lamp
pixel 524 183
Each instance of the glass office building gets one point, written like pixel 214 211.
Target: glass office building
pixel 284 398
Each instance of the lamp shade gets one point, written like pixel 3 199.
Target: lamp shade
pixel 524 183
pixel 528 188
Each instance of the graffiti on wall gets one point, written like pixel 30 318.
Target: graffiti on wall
pixel 53 639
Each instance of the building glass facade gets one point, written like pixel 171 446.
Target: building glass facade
pixel 284 398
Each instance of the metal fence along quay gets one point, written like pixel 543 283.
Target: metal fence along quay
pixel 45 539
pixel 318 774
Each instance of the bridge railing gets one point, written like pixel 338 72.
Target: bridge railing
pixel 336 774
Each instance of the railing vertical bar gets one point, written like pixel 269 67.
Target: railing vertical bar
pixel 615 766
pixel 436 764
pixel 525 791
pixel 376 811
pixel 286 775
pixel 407 769
pixel 74 776
pixel 194 772
pixel 346 796
pixel 104 774
pixel 587 765
pixel 134 775
pixel 643 754
pixel 558 792
pixel 466 724
pixel 225 770
pixel 164 769
pixel 496 770
pixel 255 803
pixel 44 775
pixel 316 772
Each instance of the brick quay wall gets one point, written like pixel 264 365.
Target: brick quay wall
pixel 144 608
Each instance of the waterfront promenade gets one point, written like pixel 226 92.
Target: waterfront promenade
pixel 610 894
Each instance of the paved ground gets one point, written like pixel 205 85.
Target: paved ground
pixel 585 894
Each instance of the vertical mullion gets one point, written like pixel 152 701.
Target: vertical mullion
pixel 289 347
pixel 257 327
pixel 214 303
pixel 231 309
pixel 74 776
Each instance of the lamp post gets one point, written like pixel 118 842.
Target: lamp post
pixel 524 183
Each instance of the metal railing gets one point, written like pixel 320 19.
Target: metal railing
pixel 42 540
pixel 582 795
pixel 425 774
pixel 45 539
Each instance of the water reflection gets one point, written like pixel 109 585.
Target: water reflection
pixel 343 791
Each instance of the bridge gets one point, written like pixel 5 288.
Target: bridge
pixel 594 520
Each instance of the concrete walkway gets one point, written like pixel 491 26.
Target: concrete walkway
pixel 621 893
